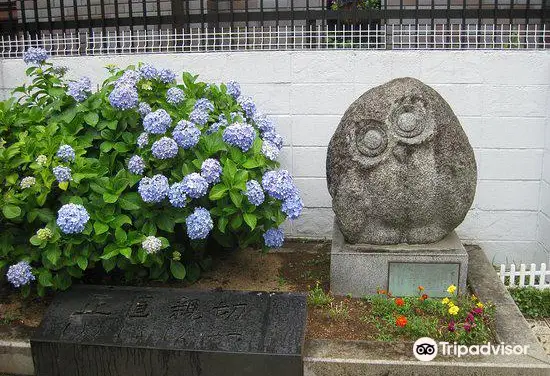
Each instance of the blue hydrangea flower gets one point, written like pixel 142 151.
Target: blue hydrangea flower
pixel 270 150
pixel 62 173
pixel 263 123
pixel 166 76
pixel 254 192
pixel 20 274
pixel 214 128
pixel 136 165
pixel 143 140
pixel 195 185
pixel 248 106
pixel 129 77
pixel 35 55
pixel 186 134
pixel 157 122
pixel 222 122
pixel 293 206
pixel 153 189
pixel 71 218
pixel 273 137
pixel 211 169
pixel 278 184
pixel 204 105
pixel 65 153
pixel 233 89
pixel 240 135
pixel 199 224
pixel 81 89
pixel 175 96
pixel 177 195
pixel 151 244
pixel 199 116
pixel 274 238
pixel 124 97
pixel 148 72
pixel 165 148
pixel 143 109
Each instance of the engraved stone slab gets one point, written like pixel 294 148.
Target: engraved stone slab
pixel 405 277
pixel 93 330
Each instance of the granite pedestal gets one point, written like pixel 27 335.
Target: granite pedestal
pixel 362 269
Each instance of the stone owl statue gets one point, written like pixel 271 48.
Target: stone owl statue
pixel 400 168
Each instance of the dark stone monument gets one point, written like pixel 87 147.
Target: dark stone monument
pixel 99 331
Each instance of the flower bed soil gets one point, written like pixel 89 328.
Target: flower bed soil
pixel 297 267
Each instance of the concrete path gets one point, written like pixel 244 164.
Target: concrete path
pixel 541 328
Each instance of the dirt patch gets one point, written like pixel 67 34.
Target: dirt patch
pixel 351 326
pixel 295 267
pixel 244 270
pixel 18 316
pixel 303 269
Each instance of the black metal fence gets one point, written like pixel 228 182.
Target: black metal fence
pixel 52 16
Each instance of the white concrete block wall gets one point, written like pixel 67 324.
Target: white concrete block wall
pixel 502 99
pixel 544 206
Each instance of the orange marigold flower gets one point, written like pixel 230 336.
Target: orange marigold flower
pixel 400 302
pixel 381 292
pixel 424 297
pixel 421 288
pixel 401 321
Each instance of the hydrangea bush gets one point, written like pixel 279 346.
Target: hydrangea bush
pixel 144 175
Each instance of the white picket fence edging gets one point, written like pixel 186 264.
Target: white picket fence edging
pixel 524 277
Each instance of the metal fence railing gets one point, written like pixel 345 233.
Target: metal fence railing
pixel 448 37
pixel 34 17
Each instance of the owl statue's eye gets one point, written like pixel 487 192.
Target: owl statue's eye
pixel 410 120
pixel 372 141
pixel 408 123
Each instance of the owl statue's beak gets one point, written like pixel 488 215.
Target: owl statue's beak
pixel 400 152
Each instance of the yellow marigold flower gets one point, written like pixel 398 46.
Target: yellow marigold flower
pixel 451 289
pixel 453 310
pixel 479 305
pixel 445 301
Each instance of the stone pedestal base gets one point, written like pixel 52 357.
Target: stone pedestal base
pixel 362 269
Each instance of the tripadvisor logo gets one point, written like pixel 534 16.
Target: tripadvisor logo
pixel 426 349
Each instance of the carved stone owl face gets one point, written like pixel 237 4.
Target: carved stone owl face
pixel 407 123
pixel 399 166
